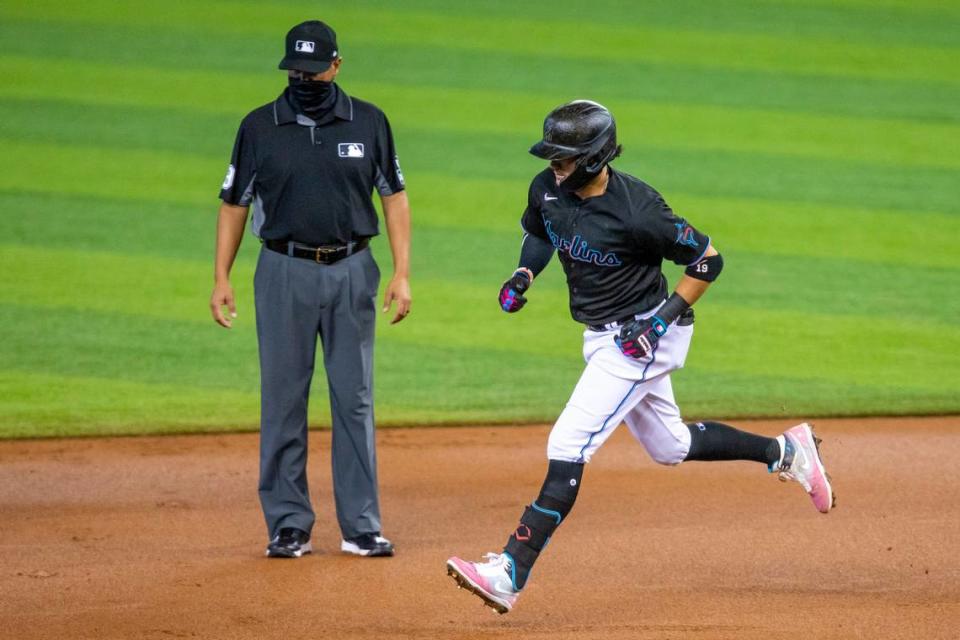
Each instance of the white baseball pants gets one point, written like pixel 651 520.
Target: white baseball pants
pixel 615 388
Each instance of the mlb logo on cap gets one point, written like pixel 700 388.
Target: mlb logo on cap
pixel 310 46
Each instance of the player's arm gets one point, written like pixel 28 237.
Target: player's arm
pixel 698 276
pixel 535 254
pixel 396 212
pixel 638 338
pixel 230 224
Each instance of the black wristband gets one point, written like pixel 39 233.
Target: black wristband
pixel 672 308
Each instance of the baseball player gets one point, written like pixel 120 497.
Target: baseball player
pixel 612 231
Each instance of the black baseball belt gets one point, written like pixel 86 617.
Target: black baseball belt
pixel 324 254
pixel 686 318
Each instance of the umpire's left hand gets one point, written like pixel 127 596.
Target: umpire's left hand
pixel 399 290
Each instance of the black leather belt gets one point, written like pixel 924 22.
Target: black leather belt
pixel 325 254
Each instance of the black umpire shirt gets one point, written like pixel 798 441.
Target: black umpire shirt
pixel 312 182
pixel 611 246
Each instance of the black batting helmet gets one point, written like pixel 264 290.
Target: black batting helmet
pixel 582 129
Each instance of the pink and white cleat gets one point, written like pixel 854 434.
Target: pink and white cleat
pixel 801 462
pixel 491 580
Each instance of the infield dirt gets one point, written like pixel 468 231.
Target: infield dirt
pixel 162 537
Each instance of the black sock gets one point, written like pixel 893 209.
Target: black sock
pixel 718 441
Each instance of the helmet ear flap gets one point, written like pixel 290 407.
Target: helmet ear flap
pixel 594 163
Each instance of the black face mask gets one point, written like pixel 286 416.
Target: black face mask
pixel 579 178
pixel 314 97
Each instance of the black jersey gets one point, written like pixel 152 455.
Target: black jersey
pixel 611 246
pixel 310 181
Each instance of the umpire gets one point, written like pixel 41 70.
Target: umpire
pixel 307 163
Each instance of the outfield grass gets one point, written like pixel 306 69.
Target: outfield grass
pixel 814 140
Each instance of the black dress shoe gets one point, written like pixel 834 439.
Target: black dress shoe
pixel 289 543
pixel 368 544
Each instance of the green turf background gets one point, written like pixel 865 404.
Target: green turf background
pixel 816 141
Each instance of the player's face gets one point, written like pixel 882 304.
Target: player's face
pixel 563 168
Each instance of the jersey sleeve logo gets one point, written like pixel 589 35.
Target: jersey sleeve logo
pixel 686 235
pixel 396 163
pixel 350 149
pixel 228 180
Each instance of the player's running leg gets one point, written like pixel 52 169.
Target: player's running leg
pixel 499 579
pixel 596 407
pixel 656 423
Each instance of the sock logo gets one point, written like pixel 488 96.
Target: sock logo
pixel 522 533
pixel 573 482
pixel 701 426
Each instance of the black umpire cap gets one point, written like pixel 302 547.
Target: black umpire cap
pixel 311 47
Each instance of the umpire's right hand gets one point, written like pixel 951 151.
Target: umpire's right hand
pixel 223 295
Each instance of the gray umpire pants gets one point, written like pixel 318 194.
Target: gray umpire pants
pixel 298 300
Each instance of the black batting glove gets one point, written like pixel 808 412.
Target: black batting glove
pixel 638 338
pixel 511 293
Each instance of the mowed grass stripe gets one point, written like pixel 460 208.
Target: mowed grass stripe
pixel 719 173
pixel 871 236
pixel 772 317
pixel 678 126
pixel 125 226
pixel 487 214
pixel 483 213
pixel 476 382
pixel 135 285
pixel 450 68
pixel 98 406
pixel 63 253
pixel 165 352
pixel 99 350
pixel 744 396
pixel 822 346
pixel 107 172
pixel 140 289
pixel 837 287
pixel 538 35
pixel 786 277
pixel 127 347
pixel 906 23
pixel 936 7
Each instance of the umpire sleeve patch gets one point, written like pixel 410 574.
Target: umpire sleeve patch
pixel 396 163
pixel 228 179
